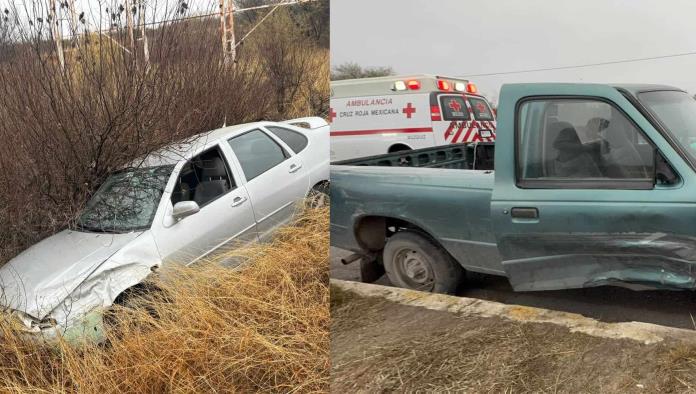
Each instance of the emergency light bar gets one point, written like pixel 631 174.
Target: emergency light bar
pixel 399 85
pixel 443 85
pixel 447 86
pixel 465 87
pixel 404 85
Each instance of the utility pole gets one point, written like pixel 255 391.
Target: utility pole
pixel 73 22
pixel 229 47
pixel 129 23
pixel 143 34
pixel 56 32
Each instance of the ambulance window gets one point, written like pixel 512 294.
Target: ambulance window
pixel 454 108
pixel 296 141
pixel 481 109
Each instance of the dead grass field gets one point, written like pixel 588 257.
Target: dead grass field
pixel 262 328
pixel 380 346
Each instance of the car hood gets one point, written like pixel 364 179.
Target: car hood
pixel 43 276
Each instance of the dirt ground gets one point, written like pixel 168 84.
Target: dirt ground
pixel 380 346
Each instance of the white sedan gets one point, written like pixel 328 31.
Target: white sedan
pixel 234 184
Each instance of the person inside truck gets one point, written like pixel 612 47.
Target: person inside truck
pixel 621 154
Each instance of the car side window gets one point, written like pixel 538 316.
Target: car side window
pixel 257 152
pixel 296 141
pixel 454 108
pixel 204 179
pixel 581 140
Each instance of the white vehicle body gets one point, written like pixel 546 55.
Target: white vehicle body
pixel 374 116
pixel 246 182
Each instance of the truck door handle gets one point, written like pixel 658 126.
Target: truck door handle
pixel 294 167
pixel 525 213
pixel 238 201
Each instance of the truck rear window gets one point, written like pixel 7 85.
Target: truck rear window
pixel 481 109
pixel 454 108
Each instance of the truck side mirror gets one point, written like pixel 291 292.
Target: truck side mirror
pixel 184 209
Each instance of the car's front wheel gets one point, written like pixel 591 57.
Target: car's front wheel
pixel 413 261
pixel 318 197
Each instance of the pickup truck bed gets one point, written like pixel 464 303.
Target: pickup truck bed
pixel 455 156
pixel 437 194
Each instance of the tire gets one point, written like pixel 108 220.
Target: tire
pixel 413 261
pixel 318 197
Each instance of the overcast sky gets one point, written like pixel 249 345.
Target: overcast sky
pixel 465 37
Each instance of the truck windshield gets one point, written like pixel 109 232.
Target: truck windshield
pixel 127 201
pixel 677 111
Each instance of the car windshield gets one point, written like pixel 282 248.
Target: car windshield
pixel 127 201
pixel 677 111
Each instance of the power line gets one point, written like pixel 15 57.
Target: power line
pixel 201 16
pixel 640 59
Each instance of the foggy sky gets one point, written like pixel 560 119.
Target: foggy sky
pixel 464 37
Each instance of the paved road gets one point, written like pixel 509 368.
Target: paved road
pixel 609 304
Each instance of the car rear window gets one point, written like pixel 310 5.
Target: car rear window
pixel 296 141
pixel 481 109
pixel 454 108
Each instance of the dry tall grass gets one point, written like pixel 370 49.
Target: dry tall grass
pixel 261 328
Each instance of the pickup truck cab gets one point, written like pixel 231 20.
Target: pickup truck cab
pixel 590 185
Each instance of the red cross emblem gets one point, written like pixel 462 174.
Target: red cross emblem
pixel 408 110
pixel 332 115
pixel 454 105
pixel 481 107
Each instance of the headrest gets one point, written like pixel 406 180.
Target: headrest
pixel 568 140
pixel 214 168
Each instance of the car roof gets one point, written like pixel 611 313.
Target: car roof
pixel 189 147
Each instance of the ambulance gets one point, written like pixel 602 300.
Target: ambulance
pixel 374 116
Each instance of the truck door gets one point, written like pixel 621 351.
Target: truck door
pixel 577 201
pixel 457 118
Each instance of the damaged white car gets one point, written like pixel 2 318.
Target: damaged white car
pixel 234 184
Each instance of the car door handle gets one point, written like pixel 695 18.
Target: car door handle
pixel 525 213
pixel 238 201
pixel 294 167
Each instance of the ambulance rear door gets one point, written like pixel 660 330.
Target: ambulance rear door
pixel 458 118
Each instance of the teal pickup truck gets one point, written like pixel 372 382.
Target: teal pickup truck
pixel 586 185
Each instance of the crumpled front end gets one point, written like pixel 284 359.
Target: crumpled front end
pixel 79 316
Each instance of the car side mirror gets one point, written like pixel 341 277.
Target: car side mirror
pixel 184 209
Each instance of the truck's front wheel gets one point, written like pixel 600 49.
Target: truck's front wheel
pixel 413 261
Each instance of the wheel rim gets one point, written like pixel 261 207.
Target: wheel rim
pixel 414 269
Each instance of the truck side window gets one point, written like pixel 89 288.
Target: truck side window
pixel 581 140
pixel 203 179
pixel 257 153
pixel 296 141
pixel 454 108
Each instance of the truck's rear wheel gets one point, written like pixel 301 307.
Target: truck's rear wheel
pixel 413 261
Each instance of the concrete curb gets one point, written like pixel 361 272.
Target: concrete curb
pixel 646 333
